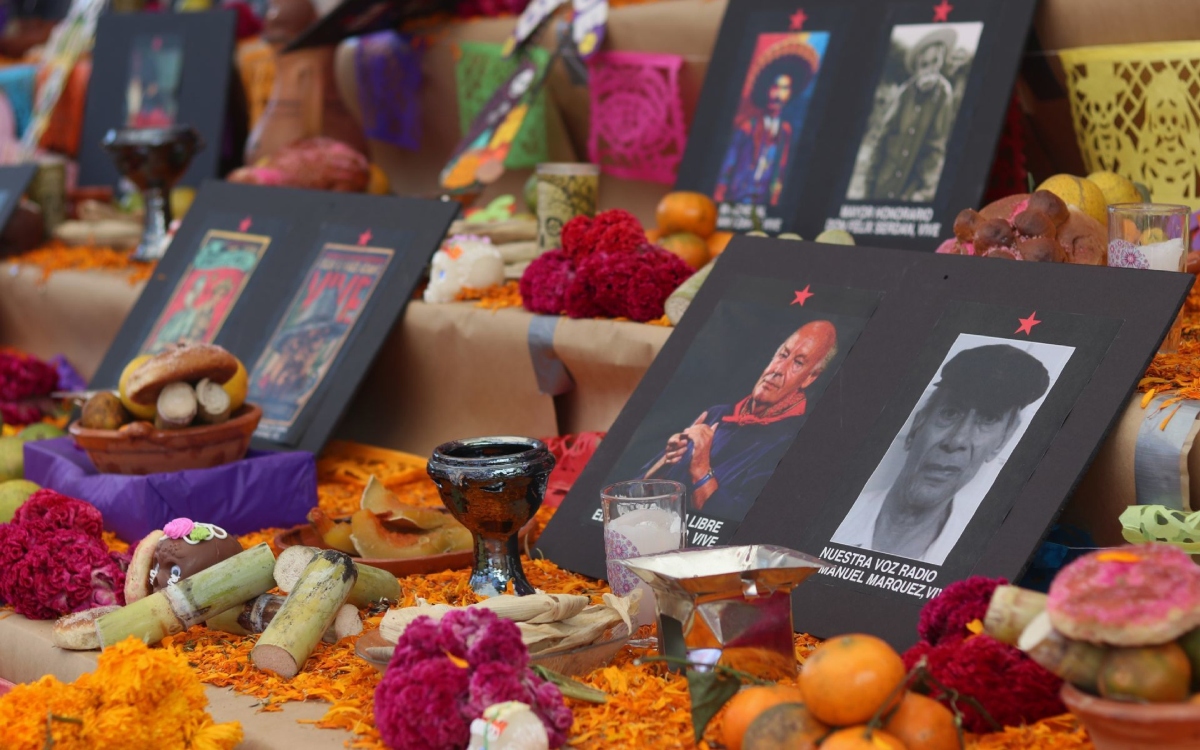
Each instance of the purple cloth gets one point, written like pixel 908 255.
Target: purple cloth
pixel 388 67
pixel 265 490
pixel 69 378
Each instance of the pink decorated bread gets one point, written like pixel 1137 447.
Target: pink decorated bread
pixel 1030 226
pixel 1143 595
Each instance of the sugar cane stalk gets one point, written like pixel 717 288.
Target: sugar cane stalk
pixel 372 584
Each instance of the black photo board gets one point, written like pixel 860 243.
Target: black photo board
pixel 302 286
pixel 912 418
pixel 358 17
pixel 154 70
pixel 880 117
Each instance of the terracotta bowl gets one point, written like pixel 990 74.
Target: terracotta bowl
pixel 139 449
pixel 1118 725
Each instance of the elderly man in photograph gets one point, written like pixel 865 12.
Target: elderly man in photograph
pixel 967 421
pixel 730 451
pixel 908 157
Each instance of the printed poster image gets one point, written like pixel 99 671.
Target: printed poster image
pixel 155 69
pixel 774 102
pixel 319 321
pixel 737 400
pixel 208 290
pixel 954 444
pixel 920 91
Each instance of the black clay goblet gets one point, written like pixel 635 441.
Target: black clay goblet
pixel 153 159
pixel 493 486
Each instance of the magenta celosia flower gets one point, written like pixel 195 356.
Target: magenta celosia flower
pixel 575 237
pixel 625 285
pixel 545 281
pixel 58 572
pixel 46 510
pixel 23 377
pixel 427 698
pixel 946 616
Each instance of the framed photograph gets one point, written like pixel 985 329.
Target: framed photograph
pixel 14 181
pixel 911 418
pixel 157 70
pixel 880 118
pixel 302 286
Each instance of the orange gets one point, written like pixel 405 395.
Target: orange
pixel 1158 674
pixel 686 212
pixel 691 248
pixel 137 410
pixel 717 242
pixel 748 704
pixel 377 183
pixel 850 678
pixel 922 723
pixel 237 386
pixel 861 738
pixel 653 236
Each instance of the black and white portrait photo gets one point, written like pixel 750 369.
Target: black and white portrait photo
pixel 916 103
pixel 953 445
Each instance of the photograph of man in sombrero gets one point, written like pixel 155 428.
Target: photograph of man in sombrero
pixel 916 103
pixel 770 115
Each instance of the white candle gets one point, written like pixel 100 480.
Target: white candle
pixel 643 531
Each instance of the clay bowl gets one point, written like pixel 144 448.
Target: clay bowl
pixel 139 449
pixel 1117 725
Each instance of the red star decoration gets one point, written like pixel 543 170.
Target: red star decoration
pixel 941 12
pixel 798 18
pixel 803 295
pixel 1027 324
pixel 244 225
pixel 365 237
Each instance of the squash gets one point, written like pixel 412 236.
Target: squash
pixel 335 534
pixel 380 501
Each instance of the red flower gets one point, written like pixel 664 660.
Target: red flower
pixel 23 377
pixel 545 281
pixel 575 237
pixel 59 572
pixel 625 285
pixel 662 274
pixel 421 707
pixel 47 510
pixel 945 617
pixel 615 231
pixel 1010 686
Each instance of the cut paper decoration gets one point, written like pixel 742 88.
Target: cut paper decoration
pixel 637 128
pixel 1158 523
pixel 481 70
pixel 68 41
pixel 1135 114
pixel 18 83
pixel 528 22
pixel 388 67
pixel 588 25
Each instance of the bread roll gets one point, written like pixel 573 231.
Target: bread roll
pixel 137 577
pixel 186 363
pixel 77 631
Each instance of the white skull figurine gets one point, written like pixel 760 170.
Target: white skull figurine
pixel 464 261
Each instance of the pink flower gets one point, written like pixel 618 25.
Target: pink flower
pixel 555 714
pixel 496 682
pixel 545 281
pixel 421 707
pixel 946 616
pixel 46 510
pixel 23 377
pixel 615 231
pixel 60 571
pixel 501 641
pixel 575 237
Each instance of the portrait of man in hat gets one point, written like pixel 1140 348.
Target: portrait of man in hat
pixel 773 104
pixel 904 151
pixel 971 417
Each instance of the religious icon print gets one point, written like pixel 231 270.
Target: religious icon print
pixel 740 396
pixel 954 444
pixel 317 325
pixel 775 99
pixel 152 90
pixel 208 290
pixel 920 91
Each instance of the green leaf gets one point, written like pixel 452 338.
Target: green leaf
pixel 571 688
pixel 709 691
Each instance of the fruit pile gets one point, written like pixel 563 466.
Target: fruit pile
pixel 687 226
pixel 1123 623
pixel 853 695
pixel 185 385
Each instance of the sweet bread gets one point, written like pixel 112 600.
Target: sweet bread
pixel 186 363
pixel 137 577
pixel 77 631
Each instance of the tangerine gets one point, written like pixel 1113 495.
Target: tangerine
pixel 848 679
pixel 692 249
pixel 137 410
pixel 237 386
pixel 743 708
pixel 717 242
pixel 862 738
pixel 922 723
pixel 1158 674
pixel 787 726
pixel 682 211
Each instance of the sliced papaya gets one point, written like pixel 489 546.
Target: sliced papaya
pixel 335 534
pixel 379 500
pixel 372 540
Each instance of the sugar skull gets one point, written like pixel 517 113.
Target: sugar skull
pixel 464 261
pixel 179 555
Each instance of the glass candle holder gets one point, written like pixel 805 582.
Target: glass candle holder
pixel 1152 236
pixel 564 191
pixel 641 517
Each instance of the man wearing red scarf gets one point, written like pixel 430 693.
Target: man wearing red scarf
pixel 729 452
